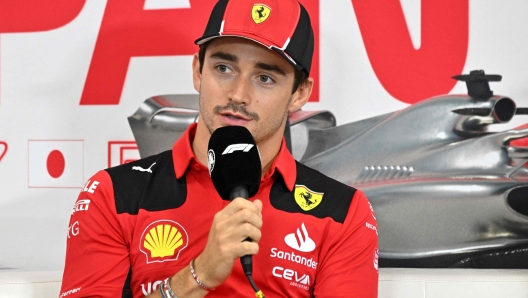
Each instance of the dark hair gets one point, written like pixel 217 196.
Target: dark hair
pixel 300 76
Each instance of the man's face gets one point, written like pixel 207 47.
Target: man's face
pixel 243 83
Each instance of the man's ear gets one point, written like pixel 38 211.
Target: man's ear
pixel 197 76
pixel 301 96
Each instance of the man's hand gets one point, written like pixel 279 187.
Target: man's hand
pixel 239 220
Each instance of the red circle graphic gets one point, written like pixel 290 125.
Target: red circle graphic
pixel 55 163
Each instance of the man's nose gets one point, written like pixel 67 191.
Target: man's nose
pixel 240 91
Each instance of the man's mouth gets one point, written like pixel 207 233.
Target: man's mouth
pixel 235 112
pixel 235 117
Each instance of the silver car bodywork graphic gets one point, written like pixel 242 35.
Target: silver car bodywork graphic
pixel 446 190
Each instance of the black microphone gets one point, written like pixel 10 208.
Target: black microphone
pixel 235 168
pixel 234 162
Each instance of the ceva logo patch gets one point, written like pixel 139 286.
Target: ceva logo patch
pixel 163 240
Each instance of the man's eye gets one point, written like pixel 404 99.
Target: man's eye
pixel 222 68
pixel 265 79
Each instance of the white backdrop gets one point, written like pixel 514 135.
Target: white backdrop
pixel 44 69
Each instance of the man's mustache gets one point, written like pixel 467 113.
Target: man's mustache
pixel 236 109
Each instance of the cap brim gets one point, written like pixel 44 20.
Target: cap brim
pixel 261 41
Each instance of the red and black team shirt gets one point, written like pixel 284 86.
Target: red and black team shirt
pixel 136 224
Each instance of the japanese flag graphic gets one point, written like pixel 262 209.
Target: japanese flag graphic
pixel 56 163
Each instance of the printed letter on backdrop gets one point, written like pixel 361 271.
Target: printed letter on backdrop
pixel 3 149
pixel 407 74
pixel 37 15
pixel 128 30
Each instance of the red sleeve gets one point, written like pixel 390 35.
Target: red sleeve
pixel 97 261
pixel 350 266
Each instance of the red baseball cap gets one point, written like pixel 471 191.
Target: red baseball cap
pixel 280 25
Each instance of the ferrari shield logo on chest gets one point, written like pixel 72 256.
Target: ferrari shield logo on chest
pixel 306 198
pixel 260 13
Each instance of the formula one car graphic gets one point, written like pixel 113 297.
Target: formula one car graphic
pixel 447 190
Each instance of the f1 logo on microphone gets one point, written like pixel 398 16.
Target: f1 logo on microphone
pixel 237 147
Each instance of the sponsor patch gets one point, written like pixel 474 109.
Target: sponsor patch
pixel 292 257
pixel 376 257
pixel 163 240
pixel 73 230
pixel 81 205
pixel 64 294
pixel 150 286
pixel 372 227
pixel 148 170
pixel 300 240
pixel 306 198
pixel 211 160
pixel 372 211
pixel 90 186
pixel 296 279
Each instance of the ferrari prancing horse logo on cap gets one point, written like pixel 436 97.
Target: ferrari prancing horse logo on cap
pixel 260 13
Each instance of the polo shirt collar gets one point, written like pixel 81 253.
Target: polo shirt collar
pixel 183 154
pixel 285 164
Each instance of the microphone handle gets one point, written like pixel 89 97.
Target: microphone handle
pixel 241 191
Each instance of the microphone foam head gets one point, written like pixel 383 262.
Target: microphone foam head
pixel 234 160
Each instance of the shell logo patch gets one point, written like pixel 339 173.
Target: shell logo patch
pixel 306 198
pixel 260 13
pixel 163 240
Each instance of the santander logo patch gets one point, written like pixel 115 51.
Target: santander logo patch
pixel 300 240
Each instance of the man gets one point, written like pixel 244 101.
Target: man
pixel 157 226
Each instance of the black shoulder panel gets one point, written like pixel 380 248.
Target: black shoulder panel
pixel 334 203
pixel 149 183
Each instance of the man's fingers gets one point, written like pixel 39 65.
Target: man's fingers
pixel 240 203
pixel 247 248
pixel 249 231
pixel 246 216
pixel 233 207
pixel 239 227
pixel 258 203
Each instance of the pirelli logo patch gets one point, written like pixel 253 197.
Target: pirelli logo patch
pixel 306 198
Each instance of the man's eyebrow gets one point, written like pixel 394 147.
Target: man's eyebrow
pixel 224 56
pixel 270 67
pixel 261 65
